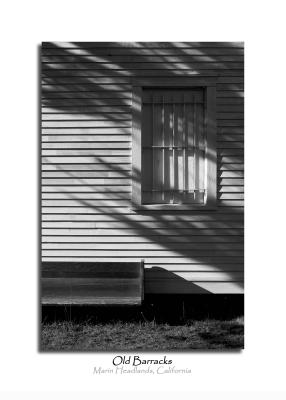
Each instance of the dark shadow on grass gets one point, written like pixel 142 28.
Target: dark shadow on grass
pixel 114 329
pixel 162 308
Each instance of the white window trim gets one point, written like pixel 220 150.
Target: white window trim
pixel 209 86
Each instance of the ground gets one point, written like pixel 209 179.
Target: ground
pixel 140 335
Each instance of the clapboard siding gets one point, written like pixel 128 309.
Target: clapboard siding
pixel 86 164
pixel 125 239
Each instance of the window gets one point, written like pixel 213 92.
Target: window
pixel 173 147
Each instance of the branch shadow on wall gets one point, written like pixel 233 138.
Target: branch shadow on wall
pixel 78 89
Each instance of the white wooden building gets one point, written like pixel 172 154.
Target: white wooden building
pixel 142 158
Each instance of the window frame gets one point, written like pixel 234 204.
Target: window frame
pixel 209 87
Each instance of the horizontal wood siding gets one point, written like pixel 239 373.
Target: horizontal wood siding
pixel 86 165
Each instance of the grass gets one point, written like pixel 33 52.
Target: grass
pixel 142 336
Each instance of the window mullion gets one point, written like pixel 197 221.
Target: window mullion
pixel 173 153
pixel 153 152
pixel 163 150
pixel 201 152
pixel 196 155
pixel 184 147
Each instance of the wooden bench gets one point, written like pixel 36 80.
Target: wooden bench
pixel 114 283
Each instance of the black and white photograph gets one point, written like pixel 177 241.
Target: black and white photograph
pixel 142 195
pixel 142 200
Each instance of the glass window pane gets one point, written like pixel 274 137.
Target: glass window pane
pixel 173 154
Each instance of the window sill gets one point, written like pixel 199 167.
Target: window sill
pixel 174 207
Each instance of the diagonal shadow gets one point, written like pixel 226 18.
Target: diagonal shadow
pixel 93 84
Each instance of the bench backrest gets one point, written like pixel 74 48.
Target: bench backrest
pixel 113 283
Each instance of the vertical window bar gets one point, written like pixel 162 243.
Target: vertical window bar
pixel 201 148
pixel 197 152
pixel 173 153
pixel 205 148
pixel 163 149
pixel 194 149
pixel 184 145
pixel 153 151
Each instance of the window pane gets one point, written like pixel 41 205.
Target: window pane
pixel 173 147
